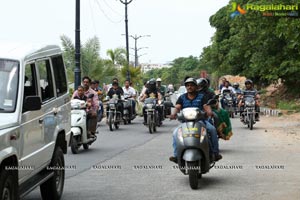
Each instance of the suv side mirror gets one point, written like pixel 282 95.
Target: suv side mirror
pixel 32 103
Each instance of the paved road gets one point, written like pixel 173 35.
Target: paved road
pixel 137 167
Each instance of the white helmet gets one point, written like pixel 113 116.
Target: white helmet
pixel 158 80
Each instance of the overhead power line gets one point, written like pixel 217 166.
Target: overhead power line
pixel 107 17
pixel 112 8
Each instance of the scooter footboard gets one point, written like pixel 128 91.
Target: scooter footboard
pixel 192 155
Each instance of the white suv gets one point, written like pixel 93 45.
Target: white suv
pixel 34 122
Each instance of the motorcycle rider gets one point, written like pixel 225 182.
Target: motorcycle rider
pixel 249 90
pixel 222 84
pixel 144 89
pixel 193 98
pixel 160 88
pixel 116 89
pixel 236 88
pixel 202 85
pixel 92 114
pixel 226 88
pixel 152 91
pixel 129 93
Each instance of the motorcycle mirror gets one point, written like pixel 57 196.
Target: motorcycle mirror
pixel 180 116
pixel 212 102
pixel 217 96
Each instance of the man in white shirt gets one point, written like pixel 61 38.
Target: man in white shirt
pixel 129 93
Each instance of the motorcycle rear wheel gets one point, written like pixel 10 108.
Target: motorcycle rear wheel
pixel 86 146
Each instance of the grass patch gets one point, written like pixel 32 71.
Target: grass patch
pixel 289 105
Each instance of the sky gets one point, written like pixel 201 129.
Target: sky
pixel 177 28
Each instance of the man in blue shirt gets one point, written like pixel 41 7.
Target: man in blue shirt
pixel 193 98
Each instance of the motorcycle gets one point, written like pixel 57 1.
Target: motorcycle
pixel 249 111
pixel 79 126
pixel 100 111
pixel 228 102
pixel 152 114
pixel 113 116
pixel 128 115
pixel 193 145
pixel 168 105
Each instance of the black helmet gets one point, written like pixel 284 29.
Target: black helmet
pixel 152 81
pixel 236 85
pixel 190 80
pixel 202 82
pixel 152 84
pixel 248 81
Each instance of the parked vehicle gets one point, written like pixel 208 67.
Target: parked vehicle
pixel 34 121
pixel 152 114
pixel 79 126
pixel 249 111
pixel 193 145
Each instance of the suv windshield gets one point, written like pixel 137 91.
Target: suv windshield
pixel 9 70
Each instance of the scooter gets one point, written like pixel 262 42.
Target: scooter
pixel 193 145
pixel 79 126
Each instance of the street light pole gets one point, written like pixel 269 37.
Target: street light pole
pixel 135 47
pixel 126 32
pixel 77 71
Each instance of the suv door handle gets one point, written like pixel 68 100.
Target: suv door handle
pixel 41 121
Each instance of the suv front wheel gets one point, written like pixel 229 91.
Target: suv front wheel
pixel 52 189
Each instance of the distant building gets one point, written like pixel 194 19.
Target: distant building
pixel 150 66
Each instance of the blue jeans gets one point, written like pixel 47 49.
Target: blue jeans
pixel 213 139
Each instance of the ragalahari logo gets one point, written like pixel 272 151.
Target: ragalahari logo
pixel 237 10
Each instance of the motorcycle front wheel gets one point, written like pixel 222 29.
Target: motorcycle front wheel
pixel 74 145
pixel 193 170
pixel 251 122
pixel 110 122
pixel 150 123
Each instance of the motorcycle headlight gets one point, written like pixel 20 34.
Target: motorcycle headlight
pixel 179 134
pixel 149 105
pixel 250 103
pixel 190 113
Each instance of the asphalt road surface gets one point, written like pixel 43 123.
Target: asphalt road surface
pixel 132 164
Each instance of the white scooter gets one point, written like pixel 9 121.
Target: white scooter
pixel 79 126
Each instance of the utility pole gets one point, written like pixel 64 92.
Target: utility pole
pixel 126 32
pixel 77 71
pixel 136 49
